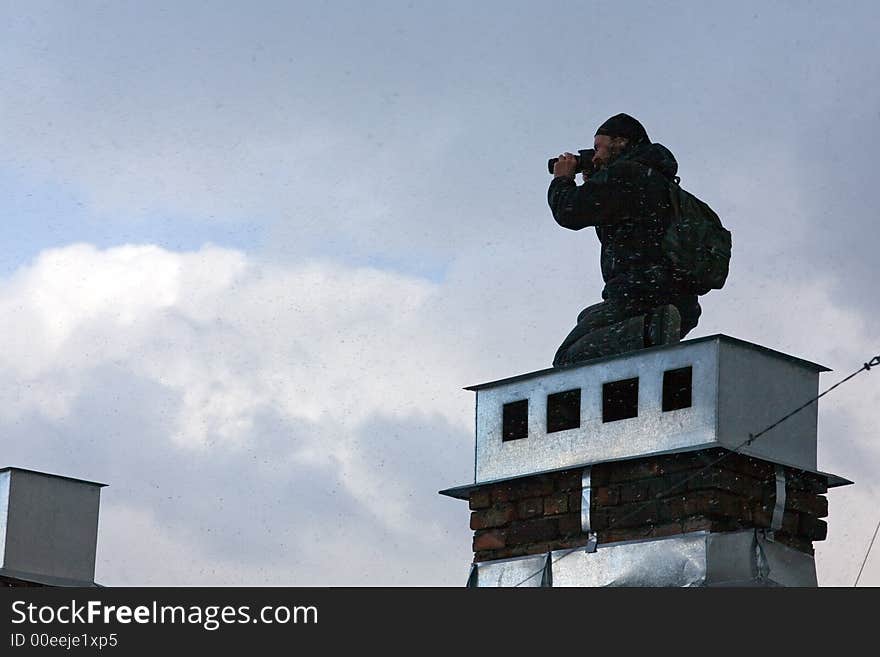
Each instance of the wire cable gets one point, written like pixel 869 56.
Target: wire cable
pixel 866 556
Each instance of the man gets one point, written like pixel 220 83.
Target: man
pixel 626 198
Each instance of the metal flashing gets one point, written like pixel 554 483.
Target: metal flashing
pixel 720 337
pixel 547 574
pixel 462 491
pixel 702 559
pixel 12 468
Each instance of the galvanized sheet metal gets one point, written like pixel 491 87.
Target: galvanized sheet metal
pixel 595 441
pixel 747 558
pixel 523 572
pixel 585 500
pixel 49 526
pixel 755 389
pixel 743 558
pixel 779 507
pixel 737 389
pixel 680 561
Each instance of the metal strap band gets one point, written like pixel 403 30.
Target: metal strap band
pixel 585 510
pixel 592 543
pixel 779 508
pixel 585 500
pixel 547 575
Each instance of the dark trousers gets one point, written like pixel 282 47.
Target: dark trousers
pixel 613 313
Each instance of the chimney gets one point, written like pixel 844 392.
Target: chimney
pixel 631 470
pixel 48 529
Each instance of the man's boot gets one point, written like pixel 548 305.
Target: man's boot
pixel 617 338
pixel 662 326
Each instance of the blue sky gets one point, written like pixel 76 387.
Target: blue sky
pixel 255 227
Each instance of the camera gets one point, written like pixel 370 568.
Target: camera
pixel 584 160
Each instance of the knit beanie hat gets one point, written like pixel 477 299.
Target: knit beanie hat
pixel 623 125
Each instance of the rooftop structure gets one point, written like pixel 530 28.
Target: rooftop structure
pixel 48 528
pixel 593 455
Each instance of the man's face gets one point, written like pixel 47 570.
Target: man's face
pixel 607 149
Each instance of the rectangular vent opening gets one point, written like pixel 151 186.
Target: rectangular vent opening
pixel 677 386
pixel 564 410
pixel 620 400
pixel 515 420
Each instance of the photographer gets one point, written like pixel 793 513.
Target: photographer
pixel 625 196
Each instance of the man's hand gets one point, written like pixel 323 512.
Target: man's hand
pixel 565 167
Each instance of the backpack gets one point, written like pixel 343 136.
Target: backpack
pixel 696 243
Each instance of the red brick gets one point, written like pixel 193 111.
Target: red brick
pixel 666 529
pixel 633 493
pixel 815 505
pixel 569 480
pixel 703 502
pixel 536 487
pixel 631 515
pixel 570 524
pixel 695 524
pixel 606 496
pixel 503 493
pixel 796 542
pixel 574 541
pixel 762 515
pixel 532 531
pixel 740 484
pixel 762 470
pixel 731 506
pixel 495 516
pixel 812 528
pixel 792 522
pixel 575 501
pixel 599 474
pixel 513 491
pixel 627 471
pixel 617 534
pixel 530 508
pixel 667 485
pixel 556 504
pixel 480 499
pixel 672 509
pixel 490 539
pixel 599 517
pixel 541 547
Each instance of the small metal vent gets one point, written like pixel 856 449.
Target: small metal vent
pixel 515 420
pixel 564 410
pixel 677 386
pixel 620 400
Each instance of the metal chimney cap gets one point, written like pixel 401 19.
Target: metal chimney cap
pixel 720 337
pixel 13 468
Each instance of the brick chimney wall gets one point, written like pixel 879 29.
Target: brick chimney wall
pixel 632 500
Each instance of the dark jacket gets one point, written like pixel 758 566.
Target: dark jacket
pixel 628 203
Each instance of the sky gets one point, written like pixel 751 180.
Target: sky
pixel 253 251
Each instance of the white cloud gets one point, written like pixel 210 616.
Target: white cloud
pixel 144 355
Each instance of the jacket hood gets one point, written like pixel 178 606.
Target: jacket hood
pixel 655 156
